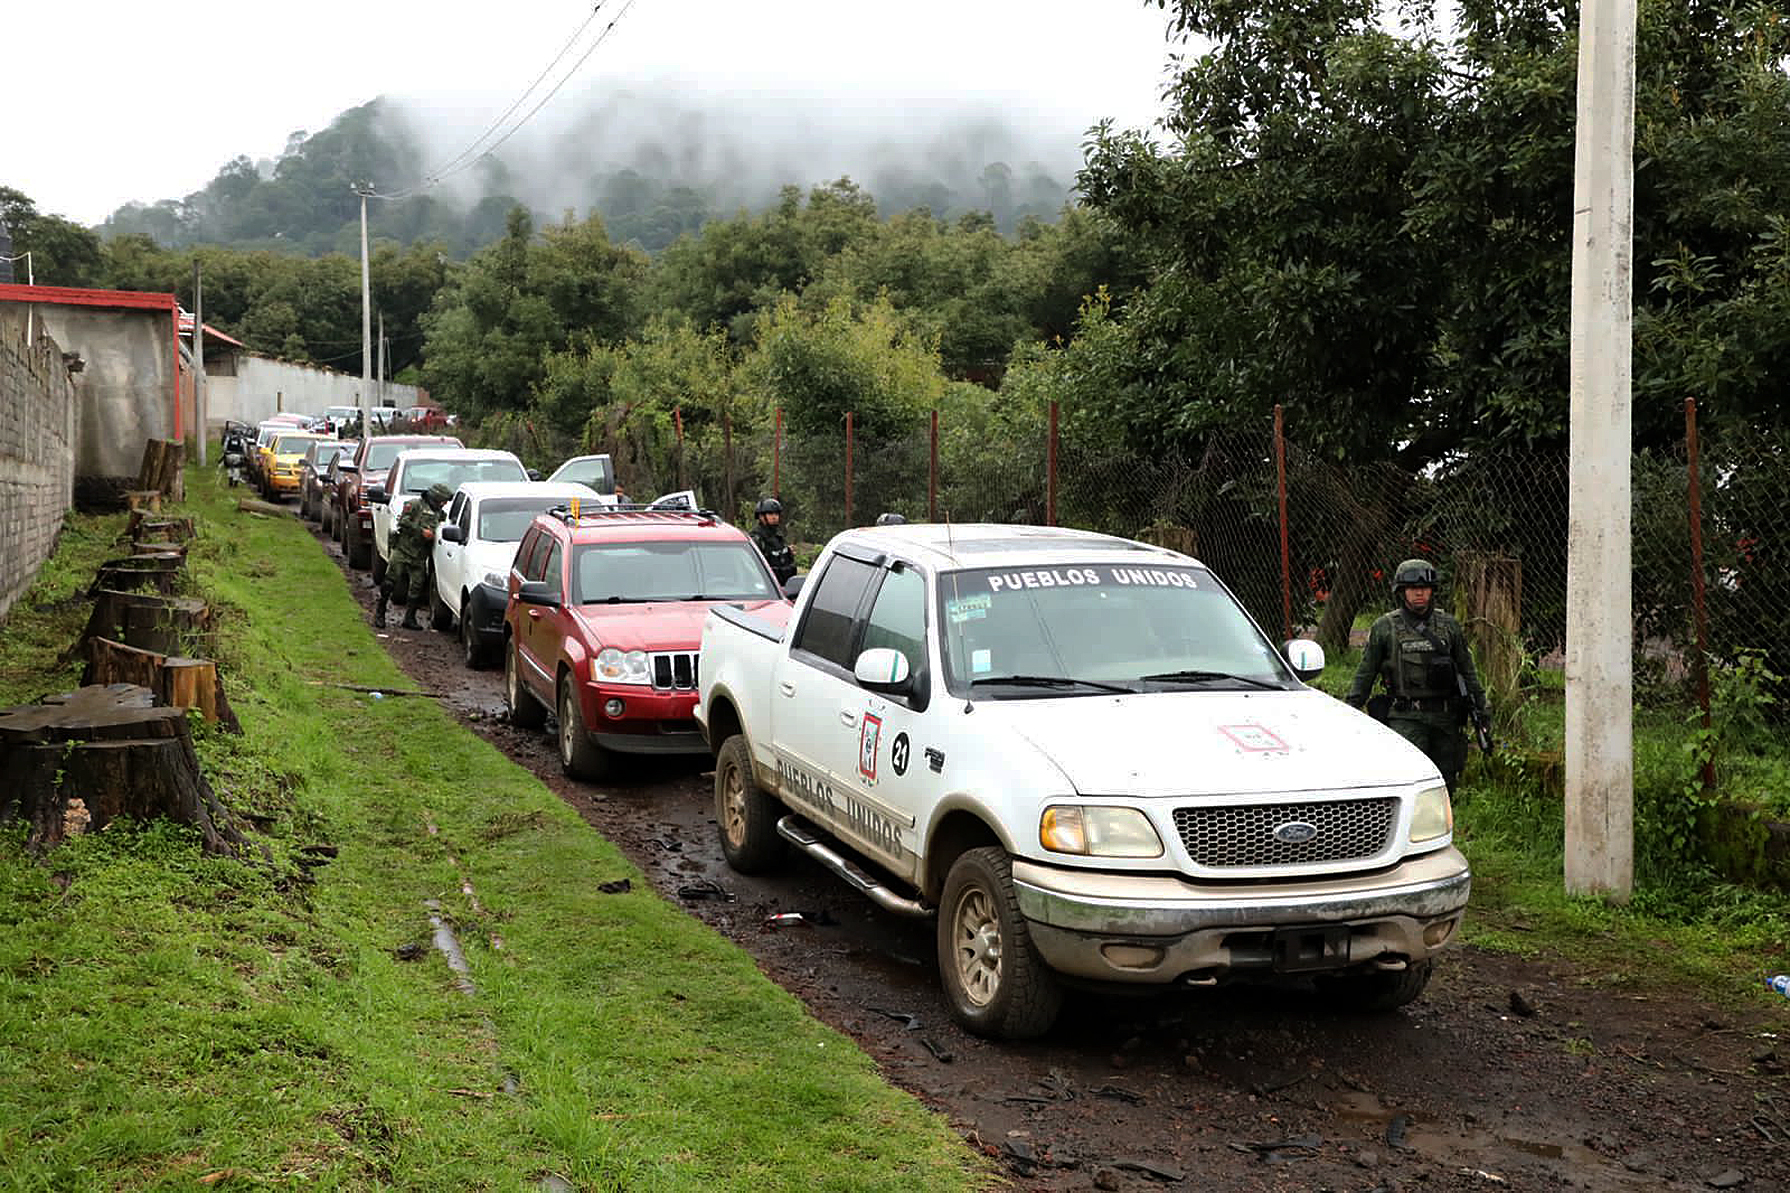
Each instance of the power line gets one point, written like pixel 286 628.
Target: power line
pixel 471 155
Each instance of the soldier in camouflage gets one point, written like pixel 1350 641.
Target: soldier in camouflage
pixel 407 573
pixel 1421 655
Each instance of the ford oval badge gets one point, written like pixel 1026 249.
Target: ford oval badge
pixel 1295 832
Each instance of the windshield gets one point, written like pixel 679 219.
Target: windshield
pixel 420 474
pixel 290 445
pixel 597 472
pixel 503 519
pixel 324 450
pixel 669 571
pixel 1100 623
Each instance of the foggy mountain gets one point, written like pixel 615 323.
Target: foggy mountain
pixel 654 163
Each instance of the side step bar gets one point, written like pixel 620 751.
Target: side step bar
pixel 804 837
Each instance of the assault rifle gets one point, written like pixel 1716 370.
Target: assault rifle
pixel 1482 724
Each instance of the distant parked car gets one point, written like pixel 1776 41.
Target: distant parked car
pixel 284 459
pixel 470 563
pixel 326 491
pixel 367 468
pixel 597 472
pixel 415 471
pixel 424 418
pixel 311 472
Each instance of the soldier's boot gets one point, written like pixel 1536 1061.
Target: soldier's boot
pixel 409 622
pixel 379 612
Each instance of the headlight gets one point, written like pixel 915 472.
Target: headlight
pixel 1434 816
pixel 497 580
pixel 1098 832
pixel 615 667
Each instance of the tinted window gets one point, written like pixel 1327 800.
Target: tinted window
pixel 827 627
pixel 669 571
pixel 550 571
pixel 524 561
pixel 898 618
pixel 596 473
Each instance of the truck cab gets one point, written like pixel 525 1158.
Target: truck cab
pixel 1083 757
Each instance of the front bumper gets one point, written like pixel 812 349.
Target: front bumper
pixel 652 722
pixel 283 482
pixel 483 611
pixel 1157 929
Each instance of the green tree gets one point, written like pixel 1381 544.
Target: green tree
pixel 62 252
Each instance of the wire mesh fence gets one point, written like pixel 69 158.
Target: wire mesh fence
pixel 1306 543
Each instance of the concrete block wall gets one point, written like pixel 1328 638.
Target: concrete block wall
pixel 38 421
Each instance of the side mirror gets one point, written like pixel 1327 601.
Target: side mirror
pixel 534 474
pixel 1305 657
pixel 538 592
pixel 793 586
pixel 451 533
pixel 377 495
pixel 883 669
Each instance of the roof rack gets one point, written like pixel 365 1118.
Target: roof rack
pixel 596 513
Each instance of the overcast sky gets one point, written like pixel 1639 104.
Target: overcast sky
pixel 146 101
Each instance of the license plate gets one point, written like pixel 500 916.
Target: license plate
pixel 1305 950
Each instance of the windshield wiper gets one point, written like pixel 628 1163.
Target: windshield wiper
pixel 620 600
pixel 1203 676
pixel 1050 681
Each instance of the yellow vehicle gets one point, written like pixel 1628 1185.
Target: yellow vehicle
pixel 283 457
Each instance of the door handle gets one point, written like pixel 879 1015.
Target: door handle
pixel 788 689
pixel 534 614
pixel 847 717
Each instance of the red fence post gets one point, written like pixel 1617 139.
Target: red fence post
pixel 1286 572
pixel 848 444
pixel 1050 471
pixel 727 446
pixel 932 474
pixel 677 419
pixel 777 457
pixel 1697 607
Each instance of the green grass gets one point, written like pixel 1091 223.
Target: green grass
pixel 165 1016
pixel 1684 925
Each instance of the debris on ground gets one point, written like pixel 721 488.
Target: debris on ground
pixel 1520 1005
pixel 410 951
pixel 1118 1094
pixel 939 1052
pixel 910 1022
pixel 706 888
pixel 618 887
pixel 784 919
pixel 1395 1133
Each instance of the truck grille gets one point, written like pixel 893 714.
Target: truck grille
pixel 1244 835
pixel 674 670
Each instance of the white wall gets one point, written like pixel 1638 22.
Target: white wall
pixel 263 387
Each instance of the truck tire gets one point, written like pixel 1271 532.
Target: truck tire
pixel 323 519
pixel 471 649
pixel 525 711
pixel 358 551
pixel 579 755
pixel 1376 990
pixel 995 981
pixel 440 616
pixel 379 566
pixel 745 813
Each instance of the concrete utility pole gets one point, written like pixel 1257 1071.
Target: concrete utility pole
pixel 364 189
pixel 201 389
pixel 381 373
pixel 1600 770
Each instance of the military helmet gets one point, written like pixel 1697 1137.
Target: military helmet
pixel 768 505
pixel 438 495
pixel 890 519
pixel 1413 573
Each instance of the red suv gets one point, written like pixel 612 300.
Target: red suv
pixel 350 517
pixel 603 622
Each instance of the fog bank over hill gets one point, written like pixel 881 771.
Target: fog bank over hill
pixel 655 160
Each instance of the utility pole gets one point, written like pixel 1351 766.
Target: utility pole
pixel 363 189
pixel 381 373
pixel 201 388
pixel 1600 767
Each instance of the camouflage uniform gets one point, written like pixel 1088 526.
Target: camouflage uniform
pixel 1418 658
pixel 407 572
pixel 770 542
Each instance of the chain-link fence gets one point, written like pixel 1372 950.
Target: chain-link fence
pixel 1307 544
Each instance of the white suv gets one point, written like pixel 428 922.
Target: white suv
pixel 412 474
pixel 473 551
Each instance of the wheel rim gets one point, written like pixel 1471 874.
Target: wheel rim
pixel 733 805
pixel 976 946
pixel 566 740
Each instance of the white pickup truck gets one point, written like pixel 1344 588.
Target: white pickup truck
pixel 1082 756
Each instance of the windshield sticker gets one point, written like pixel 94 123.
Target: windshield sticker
pixel 969 608
pixel 981 661
pixel 1254 738
pixel 1080 577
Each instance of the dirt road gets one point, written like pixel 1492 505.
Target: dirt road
pixel 1509 1074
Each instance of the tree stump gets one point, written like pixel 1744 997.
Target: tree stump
pixel 164 461
pixel 1488 602
pixel 144 499
pixel 84 759
pixel 156 571
pixel 165 625
pixel 178 682
pixel 143 527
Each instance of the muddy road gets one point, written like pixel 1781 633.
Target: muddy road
pixel 1508 1074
